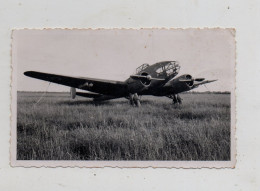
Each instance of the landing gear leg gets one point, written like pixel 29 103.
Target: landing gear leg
pixel 176 99
pixel 131 98
pixel 137 100
pixel 179 99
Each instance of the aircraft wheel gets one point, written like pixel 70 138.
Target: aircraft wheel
pixel 137 100
pixel 179 99
pixel 137 103
pixel 174 99
pixel 131 98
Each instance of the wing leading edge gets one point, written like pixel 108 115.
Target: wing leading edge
pixel 106 87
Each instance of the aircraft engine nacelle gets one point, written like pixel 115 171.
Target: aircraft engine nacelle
pixel 140 82
pixel 135 86
pixel 73 93
pixel 182 83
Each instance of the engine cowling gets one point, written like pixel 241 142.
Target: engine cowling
pixel 147 80
pixel 138 83
pixel 135 86
pixel 182 83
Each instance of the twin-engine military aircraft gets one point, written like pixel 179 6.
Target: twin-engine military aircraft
pixel 157 80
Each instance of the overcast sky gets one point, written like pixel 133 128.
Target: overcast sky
pixel 115 54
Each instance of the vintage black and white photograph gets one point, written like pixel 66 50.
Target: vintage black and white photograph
pixel 123 97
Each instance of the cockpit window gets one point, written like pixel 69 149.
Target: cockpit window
pixel 168 69
pixel 141 68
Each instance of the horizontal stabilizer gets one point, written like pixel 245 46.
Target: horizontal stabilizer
pixel 192 79
pixel 148 77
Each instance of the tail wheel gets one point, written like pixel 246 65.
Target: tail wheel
pixel 72 93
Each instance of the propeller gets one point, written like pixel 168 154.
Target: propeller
pixel 199 79
pixel 148 77
pixel 192 79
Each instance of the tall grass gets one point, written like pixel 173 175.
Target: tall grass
pixel 58 128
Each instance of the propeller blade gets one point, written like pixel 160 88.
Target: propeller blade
pixel 186 80
pixel 158 79
pixel 138 77
pixel 192 79
pixel 148 77
pixel 199 79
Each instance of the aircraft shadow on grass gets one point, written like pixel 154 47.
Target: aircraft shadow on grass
pixel 99 103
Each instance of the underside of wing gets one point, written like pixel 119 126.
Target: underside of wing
pixel 106 87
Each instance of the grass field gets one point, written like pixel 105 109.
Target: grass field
pixel 58 128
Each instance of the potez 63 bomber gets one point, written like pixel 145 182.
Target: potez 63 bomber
pixel 157 80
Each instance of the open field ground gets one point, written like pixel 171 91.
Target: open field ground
pixel 58 128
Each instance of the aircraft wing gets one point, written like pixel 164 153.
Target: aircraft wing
pixel 107 87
